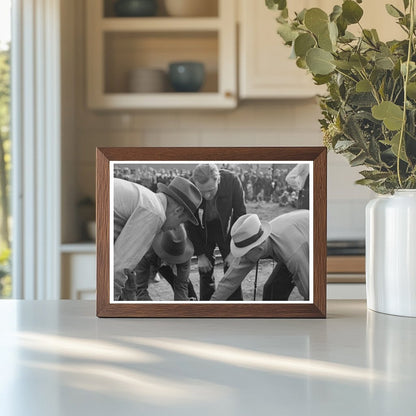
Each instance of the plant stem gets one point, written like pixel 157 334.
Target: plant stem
pixel 406 79
pixel 373 88
pixel 392 91
pixel 346 75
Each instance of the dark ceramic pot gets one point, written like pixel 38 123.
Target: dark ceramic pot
pixel 186 76
pixel 135 8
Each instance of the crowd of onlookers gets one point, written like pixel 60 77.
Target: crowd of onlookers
pixel 269 186
pixel 259 185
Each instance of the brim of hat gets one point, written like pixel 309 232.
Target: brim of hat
pixel 241 251
pixel 163 188
pixel 168 258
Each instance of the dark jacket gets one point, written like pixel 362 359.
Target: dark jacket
pixel 229 201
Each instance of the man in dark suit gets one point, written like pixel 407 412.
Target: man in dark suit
pixel 222 205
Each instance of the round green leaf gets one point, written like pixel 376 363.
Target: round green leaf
pixel 319 61
pixel 325 42
pixel 316 20
pixel 411 90
pixel 342 25
pixel 368 37
pixel 351 11
pixel 301 15
pixel 384 62
pixel 327 39
pixel 333 32
pixel 344 65
pixel 336 12
pixel 322 79
pixel 287 33
pixel 363 86
pixel 393 11
pixel 347 37
pixel 301 63
pixel 394 143
pixel 276 4
pixel 303 43
pixel 391 114
pixel 358 61
pixel 412 67
pixel 375 35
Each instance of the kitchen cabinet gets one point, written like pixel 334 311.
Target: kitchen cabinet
pixel 346 277
pixel 265 70
pixel 78 264
pixel 118 45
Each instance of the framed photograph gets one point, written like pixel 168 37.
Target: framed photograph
pixel 211 232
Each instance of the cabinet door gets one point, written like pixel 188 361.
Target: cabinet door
pixel 78 276
pixel 266 71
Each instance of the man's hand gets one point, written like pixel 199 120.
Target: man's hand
pixel 204 264
pixel 228 260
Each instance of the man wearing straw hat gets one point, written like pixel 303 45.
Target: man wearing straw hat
pixel 285 239
pixel 170 249
pixel 140 214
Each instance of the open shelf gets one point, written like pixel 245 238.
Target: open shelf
pixel 127 51
pixel 118 45
pixel 210 9
pixel 167 100
pixel 160 24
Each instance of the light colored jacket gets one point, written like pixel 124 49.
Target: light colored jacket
pixel 289 242
pixel 139 215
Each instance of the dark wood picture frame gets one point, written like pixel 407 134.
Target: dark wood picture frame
pixel 315 309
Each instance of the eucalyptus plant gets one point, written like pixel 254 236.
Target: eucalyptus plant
pixel 369 111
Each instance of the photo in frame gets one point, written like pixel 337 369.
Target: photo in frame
pixel 211 232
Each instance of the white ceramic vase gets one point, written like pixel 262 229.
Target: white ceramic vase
pixel 391 253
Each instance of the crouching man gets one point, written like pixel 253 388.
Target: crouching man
pixel 140 214
pixel 170 250
pixel 285 239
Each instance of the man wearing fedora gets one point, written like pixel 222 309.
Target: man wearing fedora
pixel 170 250
pixel 222 204
pixel 140 214
pixel 285 239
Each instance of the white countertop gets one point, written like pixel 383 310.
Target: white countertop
pixel 57 358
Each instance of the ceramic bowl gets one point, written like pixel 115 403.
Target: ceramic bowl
pixel 147 80
pixel 135 8
pixel 186 76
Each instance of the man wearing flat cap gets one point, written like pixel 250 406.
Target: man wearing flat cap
pixel 140 214
pixel 285 239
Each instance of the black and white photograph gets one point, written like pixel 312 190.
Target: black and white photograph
pixel 211 231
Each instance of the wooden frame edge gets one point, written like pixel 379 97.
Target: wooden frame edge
pixel 317 309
